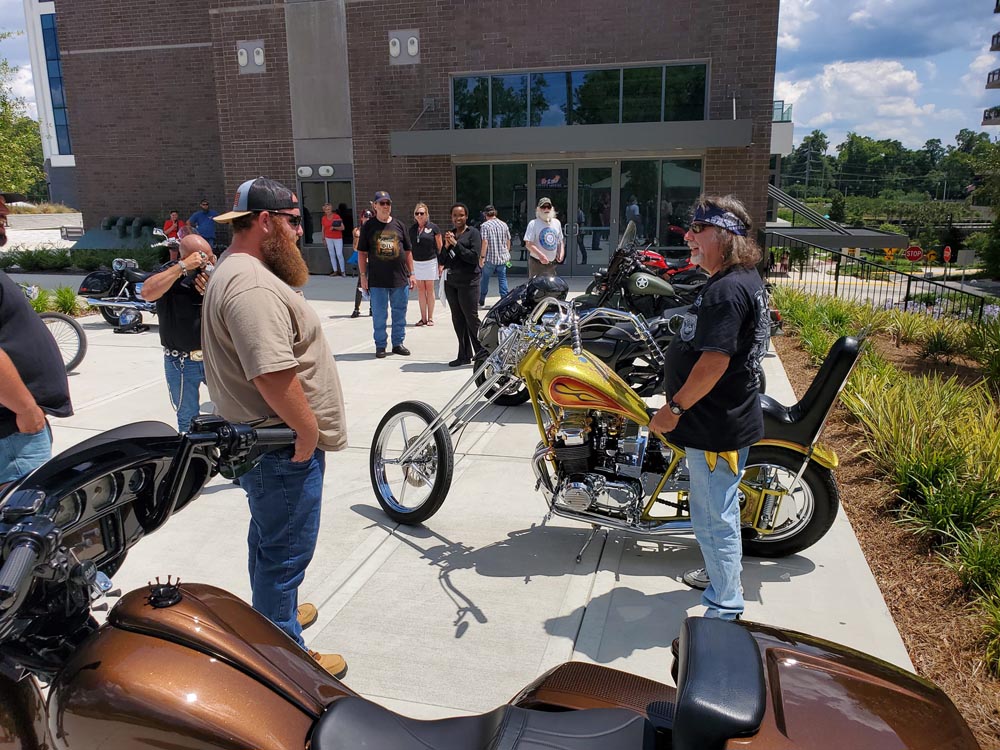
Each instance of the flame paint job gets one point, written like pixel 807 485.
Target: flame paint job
pixel 584 382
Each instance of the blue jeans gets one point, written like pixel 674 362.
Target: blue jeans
pixel 285 499
pixel 500 269
pixel 184 376
pixel 23 452
pixel 381 300
pixel 715 515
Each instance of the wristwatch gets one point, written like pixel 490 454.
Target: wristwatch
pixel 675 408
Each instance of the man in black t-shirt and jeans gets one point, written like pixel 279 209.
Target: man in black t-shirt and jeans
pixel 177 291
pixel 33 382
pixel 711 382
pixel 385 262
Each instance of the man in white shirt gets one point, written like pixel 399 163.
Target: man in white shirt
pixel 544 240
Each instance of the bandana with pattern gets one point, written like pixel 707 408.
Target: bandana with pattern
pixel 719 218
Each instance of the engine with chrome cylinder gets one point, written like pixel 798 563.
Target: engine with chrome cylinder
pixel 600 462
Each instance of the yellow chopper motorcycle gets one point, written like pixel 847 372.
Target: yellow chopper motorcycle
pixel 597 462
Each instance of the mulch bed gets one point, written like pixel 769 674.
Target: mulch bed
pixel 942 633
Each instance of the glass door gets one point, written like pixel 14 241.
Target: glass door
pixel 594 231
pixel 552 181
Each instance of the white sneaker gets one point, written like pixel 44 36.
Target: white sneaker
pixel 696 579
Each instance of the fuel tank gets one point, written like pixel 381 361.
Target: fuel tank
pixel 206 671
pixel 647 284
pixel 584 382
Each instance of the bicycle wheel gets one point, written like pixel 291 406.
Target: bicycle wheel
pixel 69 336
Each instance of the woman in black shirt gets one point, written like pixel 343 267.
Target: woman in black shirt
pixel 425 239
pixel 463 253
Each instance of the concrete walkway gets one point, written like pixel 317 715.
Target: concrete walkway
pixel 457 615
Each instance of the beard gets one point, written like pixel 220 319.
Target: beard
pixel 545 215
pixel 281 255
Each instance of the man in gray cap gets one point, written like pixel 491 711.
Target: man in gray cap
pixel 266 358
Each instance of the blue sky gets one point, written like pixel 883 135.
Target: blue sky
pixel 904 69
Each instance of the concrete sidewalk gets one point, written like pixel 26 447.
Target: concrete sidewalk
pixel 459 614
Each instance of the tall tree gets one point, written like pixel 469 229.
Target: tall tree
pixel 21 163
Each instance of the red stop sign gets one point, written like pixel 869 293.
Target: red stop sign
pixel 914 253
pixel 947 254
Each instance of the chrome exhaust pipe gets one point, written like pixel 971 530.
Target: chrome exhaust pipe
pixel 147 307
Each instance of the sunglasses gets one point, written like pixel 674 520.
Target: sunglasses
pixel 384 203
pixel 293 220
pixel 419 213
pixel 698 227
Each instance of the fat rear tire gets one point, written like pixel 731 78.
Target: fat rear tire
pixel 819 491
pixel 110 314
pixel 438 458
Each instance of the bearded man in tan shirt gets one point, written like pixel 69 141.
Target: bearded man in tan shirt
pixel 266 358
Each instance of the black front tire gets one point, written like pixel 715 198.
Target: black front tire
pixel 70 338
pixel 516 398
pixel 431 470
pixel 808 512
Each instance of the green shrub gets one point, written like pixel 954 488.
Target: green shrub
pixel 945 340
pixel 88 260
pixel 10 259
pixel 949 505
pixel 43 259
pixel 66 300
pixel 975 558
pixel 991 629
pixel 908 327
pixel 43 302
pixel 982 343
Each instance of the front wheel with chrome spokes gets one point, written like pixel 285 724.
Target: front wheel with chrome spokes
pixel 411 472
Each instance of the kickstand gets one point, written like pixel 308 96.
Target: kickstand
pixel 594 528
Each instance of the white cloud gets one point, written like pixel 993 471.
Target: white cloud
pixel 795 15
pixel 877 98
pixel 23 88
pixel 974 81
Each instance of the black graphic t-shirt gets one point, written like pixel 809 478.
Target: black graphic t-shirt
pixel 729 316
pixel 179 313
pixel 387 246
pixel 424 241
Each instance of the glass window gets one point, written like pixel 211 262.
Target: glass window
pixel 640 183
pixel 642 96
pixel 56 89
pixel 510 197
pixel 51 43
pixel 313 196
pixel 549 94
pixel 682 184
pixel 472 187
pixel 595 96
pixel 510 101
pixel 472 103
pixel 684 93
pixel 48 20
pixel 62 138
pixel 54 68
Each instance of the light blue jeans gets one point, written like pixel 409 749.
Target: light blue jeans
pixel 500 269
pixel 23 452
pixel 715 515
pixel 285 499
pixel 184 377
pixel 382 299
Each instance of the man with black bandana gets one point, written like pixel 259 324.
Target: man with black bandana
pixel 711 382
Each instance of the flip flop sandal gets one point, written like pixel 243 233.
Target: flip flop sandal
pixel 421 322
pixel 430 322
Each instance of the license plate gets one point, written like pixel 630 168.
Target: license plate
pixel 138 288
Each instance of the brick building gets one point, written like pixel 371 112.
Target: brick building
pixel 615 111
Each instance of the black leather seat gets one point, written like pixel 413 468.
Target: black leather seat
pixel 355 723
pixel 720 685
pixel 801 422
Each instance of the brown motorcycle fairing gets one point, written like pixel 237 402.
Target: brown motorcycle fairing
pixel 207 672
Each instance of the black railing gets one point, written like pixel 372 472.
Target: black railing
pixel 834 273
pixel 991 116
pixel 993 77
pixel 995 45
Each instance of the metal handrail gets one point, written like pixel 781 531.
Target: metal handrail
pixel 993 77
pixel 995 45
pixel 993 113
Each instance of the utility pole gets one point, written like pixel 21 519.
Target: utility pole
pixel 809 161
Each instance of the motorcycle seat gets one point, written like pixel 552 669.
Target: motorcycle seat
pixel 801 422
pixel 136 276
pixel 350 723
pixel 721 692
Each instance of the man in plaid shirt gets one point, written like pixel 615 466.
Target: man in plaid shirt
pixel 496 253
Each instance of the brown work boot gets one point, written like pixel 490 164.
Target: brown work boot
pixel 306 614
pixel 335 664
